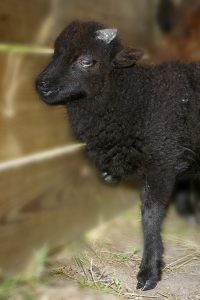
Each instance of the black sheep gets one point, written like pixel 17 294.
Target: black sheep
pixel 137 121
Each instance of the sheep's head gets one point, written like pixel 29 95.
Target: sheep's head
pixel 85 54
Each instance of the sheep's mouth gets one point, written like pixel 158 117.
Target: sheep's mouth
pixel 60 97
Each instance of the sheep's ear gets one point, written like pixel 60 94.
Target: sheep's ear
pixel 127 57
pixel 106 35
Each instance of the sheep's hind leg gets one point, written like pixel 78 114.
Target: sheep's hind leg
pixel 197 199
pixel 153 212
pixel 187 199
pixel 182 199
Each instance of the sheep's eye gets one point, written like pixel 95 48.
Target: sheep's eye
pixel 86 62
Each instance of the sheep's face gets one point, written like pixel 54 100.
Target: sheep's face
pixel 84 55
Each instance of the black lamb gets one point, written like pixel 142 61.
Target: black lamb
pixel 138 121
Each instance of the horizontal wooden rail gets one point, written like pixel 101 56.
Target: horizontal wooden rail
pixel 39 156
pixel 25 49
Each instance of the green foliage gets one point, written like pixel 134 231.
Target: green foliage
pixel 12 285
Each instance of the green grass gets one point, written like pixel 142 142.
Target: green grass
pixel 13 285
pixel 25 283
pixel 100 286
pixel 120 256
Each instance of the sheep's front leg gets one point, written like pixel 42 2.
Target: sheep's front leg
pixel 154 197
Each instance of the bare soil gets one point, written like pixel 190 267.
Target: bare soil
pixel 103 265
pixel 106 262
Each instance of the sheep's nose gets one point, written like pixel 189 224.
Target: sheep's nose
pixel 42 85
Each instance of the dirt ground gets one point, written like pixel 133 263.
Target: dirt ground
pixel 103 264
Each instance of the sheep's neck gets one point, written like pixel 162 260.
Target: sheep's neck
pixel 90 117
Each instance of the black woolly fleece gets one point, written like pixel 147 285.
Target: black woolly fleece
pixel 138 121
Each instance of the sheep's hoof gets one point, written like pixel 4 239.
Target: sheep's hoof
pixel 109 178
pixel 148 279
pixel 146 285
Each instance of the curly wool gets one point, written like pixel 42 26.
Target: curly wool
pixel 146 115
